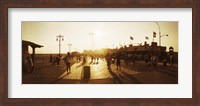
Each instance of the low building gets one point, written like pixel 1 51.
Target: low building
pixel 28 60
pixel 140 50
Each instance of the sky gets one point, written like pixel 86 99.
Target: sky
pixel 97 35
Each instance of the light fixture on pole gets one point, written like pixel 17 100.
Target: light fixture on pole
pixel 59 38
pixel 92 35
pixel 70 47
pixel 163 36
pixel 159 33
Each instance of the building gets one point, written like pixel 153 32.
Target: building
pixel 140 50
pixel 28 60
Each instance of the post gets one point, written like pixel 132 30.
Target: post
pixel 159 38
pixel 92 35
pixel 59 46
pixel 59 38
pixel 159 33
pixel 70 47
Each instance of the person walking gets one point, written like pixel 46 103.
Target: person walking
pixel 118 63
pixel 171 60
pixel 154 61
pixel 108 60
pixel 57 60
pixel 67 62
pixel 50 58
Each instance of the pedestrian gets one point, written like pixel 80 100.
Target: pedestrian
pixel 126 59
pixel 146 58
pixel 108 60
pixel 50 58
pixel 27 63
pixel 57 60
pixel 171 59
pixel 151 61
pixel 118 63
pixel 92 58
pixel 154 61
pixel 54 60
pixel 97 60
pixel 67 62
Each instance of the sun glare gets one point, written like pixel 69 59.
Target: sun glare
pixel 96 35
pixel 99 40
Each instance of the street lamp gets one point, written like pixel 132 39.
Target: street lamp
pixel 70 47
pixel 60 38
pixel 164 35
pixel 159 33
pixel 92 35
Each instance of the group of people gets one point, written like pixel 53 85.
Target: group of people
pixel 116 59
pixel 55 60
pixel 66 59
pixel 151 59
pixel 27 62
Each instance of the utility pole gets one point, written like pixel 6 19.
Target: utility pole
pixel 59 38
pixel 70 47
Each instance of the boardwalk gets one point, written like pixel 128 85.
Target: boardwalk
pixel 137 73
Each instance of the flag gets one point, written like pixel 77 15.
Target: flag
pixel 154 34
pixel 147 38
pixel 131 38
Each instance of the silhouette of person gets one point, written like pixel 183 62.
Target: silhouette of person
pixel 57 60
pixel 146 58
pixel 125 58
pixel 67 62
pixel 118 63
pixel 151 61
pixel 27 63
pixel 108 60
pixel 50 58
pixel 171 59
pixel 154 61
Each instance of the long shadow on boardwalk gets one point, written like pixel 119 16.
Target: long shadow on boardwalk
pixel 83 63
pixel 116 77
pixel 130 78
pixel 59 78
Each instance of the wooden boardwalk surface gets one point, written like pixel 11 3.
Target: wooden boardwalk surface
pixel 137 73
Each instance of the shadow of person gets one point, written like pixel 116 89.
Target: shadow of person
pixel 129 77
pixel 54 81
pixel 83 63
pixel 116 77
pixel 91 62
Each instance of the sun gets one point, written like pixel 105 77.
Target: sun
pixel 99 40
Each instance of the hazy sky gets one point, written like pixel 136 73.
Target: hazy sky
pixel 106 34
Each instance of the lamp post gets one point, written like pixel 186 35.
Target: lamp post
pixel 92 35
pixel 70 47
pixel 59 38
pixel 159 33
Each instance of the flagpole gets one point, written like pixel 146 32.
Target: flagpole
pixel 153 39
pixel 131 39
pixel 159 33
